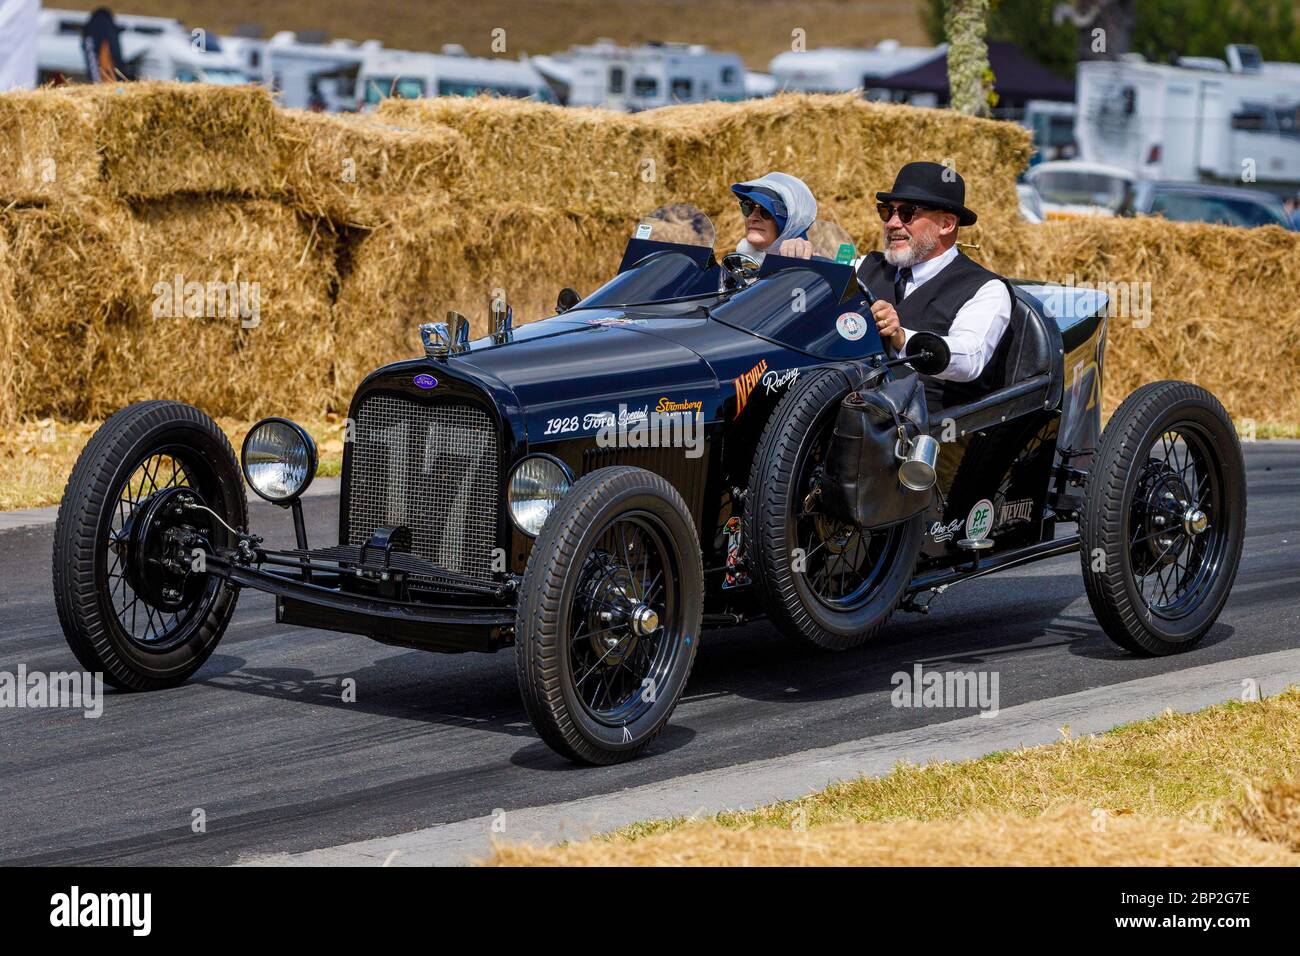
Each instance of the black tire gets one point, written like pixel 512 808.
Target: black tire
pixel 142 448
pixel 801 603
pixel 1155 584
pixel 572 578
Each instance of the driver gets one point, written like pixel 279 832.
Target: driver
pixel 922 282
pixel 778 210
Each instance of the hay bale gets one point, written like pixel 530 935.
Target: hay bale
pixel 47 147
pixel 1215 297
pixel 845 148
pixel 437 256
pixel 159 139
pixel 572 159
pixel 10 319
pixel 585 160
pixel 358 170
pixel 69 305
pixel 230 302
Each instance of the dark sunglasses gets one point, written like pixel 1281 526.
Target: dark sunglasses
pixel 906 211
pixel 747 207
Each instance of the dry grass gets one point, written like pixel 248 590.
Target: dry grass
pixel 756 29
pixel 1184 780
pixel 1066 836
pixel 36 457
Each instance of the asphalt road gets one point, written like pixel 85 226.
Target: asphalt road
pixel 261 742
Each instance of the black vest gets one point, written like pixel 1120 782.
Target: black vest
pixel 931 308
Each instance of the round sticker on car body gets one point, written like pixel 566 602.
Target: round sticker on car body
pixel 980 520
pixel 851 326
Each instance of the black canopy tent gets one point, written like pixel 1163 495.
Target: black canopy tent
pixel 1016 78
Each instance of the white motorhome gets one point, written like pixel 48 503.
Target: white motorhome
pixel 644 77
pixel 1233 120
pixel 153 48
pixel 410 75
pixel 303 74
pixel 839 69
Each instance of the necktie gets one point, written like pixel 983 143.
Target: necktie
pixel 901 278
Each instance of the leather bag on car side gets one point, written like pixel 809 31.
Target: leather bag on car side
pixel 861 473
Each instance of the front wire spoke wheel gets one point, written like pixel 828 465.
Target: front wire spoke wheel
pixel 609 615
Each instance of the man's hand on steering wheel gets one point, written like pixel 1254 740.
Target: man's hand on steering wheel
pixel 891 333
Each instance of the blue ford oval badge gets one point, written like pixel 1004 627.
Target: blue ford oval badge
pixel 426 381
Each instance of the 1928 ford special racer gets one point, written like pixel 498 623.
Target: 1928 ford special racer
pixel 690 445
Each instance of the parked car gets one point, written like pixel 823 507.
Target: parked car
pixel 1031 203
pixel 1198 202
pixel 525 490
pixel 1073 187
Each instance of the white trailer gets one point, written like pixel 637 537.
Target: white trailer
pixel 1232 121
pixel 840 69
pixel 411 75
pixel 643 77
pixel 304 75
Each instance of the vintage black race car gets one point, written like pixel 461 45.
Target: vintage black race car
pixel 659 457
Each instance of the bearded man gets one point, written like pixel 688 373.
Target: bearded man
pixel 923 283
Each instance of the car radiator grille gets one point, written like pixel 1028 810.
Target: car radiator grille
pixel 432 468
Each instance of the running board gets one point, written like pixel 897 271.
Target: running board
pixel 937 582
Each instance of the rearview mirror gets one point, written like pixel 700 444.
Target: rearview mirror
pixel 927 353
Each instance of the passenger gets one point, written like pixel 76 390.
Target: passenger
pixel 778 210
pixel 923 282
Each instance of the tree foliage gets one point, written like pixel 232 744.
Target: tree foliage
pixel 1163 31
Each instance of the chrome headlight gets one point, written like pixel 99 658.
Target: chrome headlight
pixel 279 460
pixel 536 486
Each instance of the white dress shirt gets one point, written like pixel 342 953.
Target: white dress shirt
pixel 978 326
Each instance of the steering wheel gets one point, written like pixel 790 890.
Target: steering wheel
pixel 738 271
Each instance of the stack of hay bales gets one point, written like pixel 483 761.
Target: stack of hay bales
pixel 1209 304
pixel 354 230
pixel 152 182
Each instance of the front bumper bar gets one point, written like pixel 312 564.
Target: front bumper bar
pixel 321 602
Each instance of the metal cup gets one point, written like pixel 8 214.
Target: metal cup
pixel 917 470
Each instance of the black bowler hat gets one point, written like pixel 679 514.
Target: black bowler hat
pixel 933 185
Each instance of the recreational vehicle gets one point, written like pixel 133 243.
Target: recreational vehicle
pixel 1231 121
pixel 643 77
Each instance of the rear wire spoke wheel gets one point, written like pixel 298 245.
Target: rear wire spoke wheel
pixel 128 607
pixel 820 579
pixel 1165 515
pixel 609 615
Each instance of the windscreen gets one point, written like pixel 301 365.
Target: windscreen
pixel 669 256
pixel 799 305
